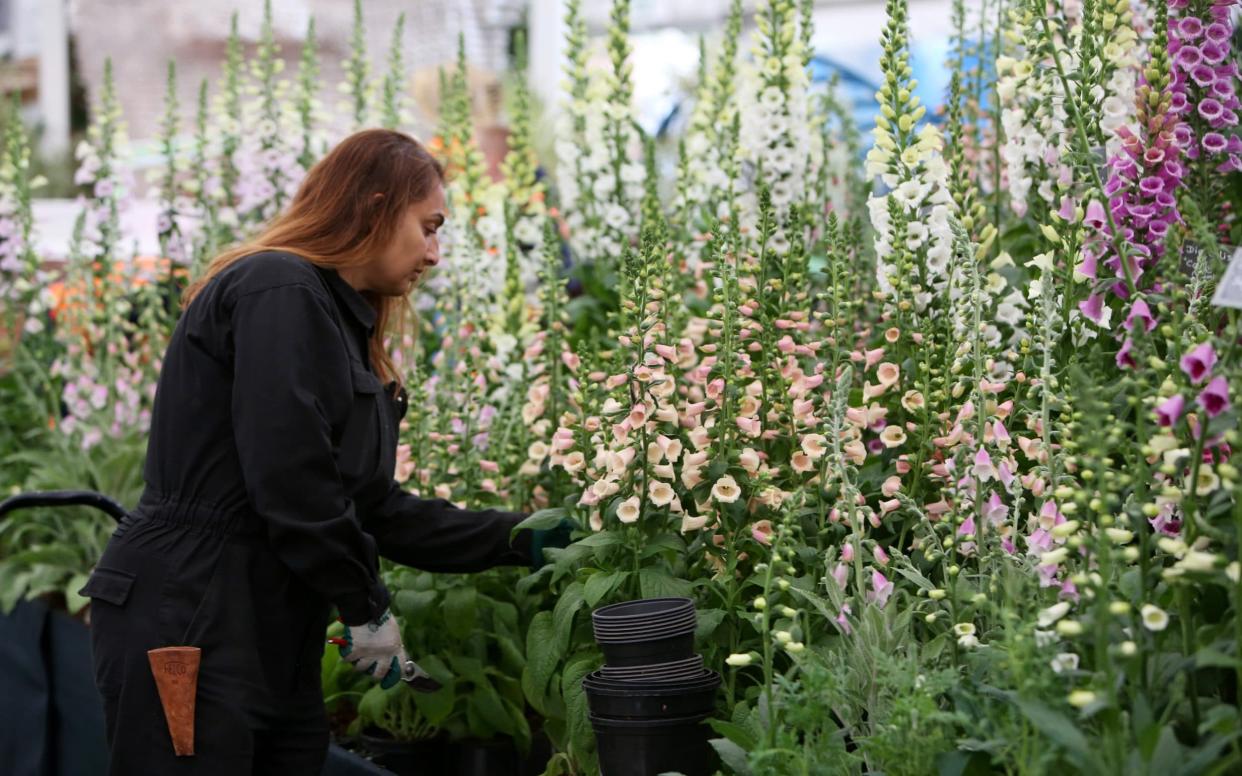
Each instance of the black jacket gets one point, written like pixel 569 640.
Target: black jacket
pixel 269 496
pixel 267 406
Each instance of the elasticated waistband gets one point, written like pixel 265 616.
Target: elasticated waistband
pixel 196 515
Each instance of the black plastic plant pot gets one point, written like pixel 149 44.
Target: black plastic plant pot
pixel 424 757
pixel 652 681
pixel 646 747
pixel 645 635
pixel 690 667
pixel 598 677
pixel 642 610
pixel 639 631
pixel 640 651
pixel 484 758
pixel 652 701
pixel 610 631
pixel 343 762
pixel 689 675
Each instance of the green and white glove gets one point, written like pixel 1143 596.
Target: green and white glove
pixel 376 649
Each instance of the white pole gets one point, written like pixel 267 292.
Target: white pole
pixel 54 76
pixel 546 53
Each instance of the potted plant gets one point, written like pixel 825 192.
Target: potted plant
pixel 467 632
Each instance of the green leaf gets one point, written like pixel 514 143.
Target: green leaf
pixel 559 765
pixel 1209 657
pixel 663 543
pixel 581 735
pixel 504 618
pixel 820 604
pixel 732 756
pixel 541 520
pixel 917 578
pixel 600 584
pixel 1057 727
pixel 460 610
pixel 61 557
pixel 1169 754
pixel 563 615
pixel 468 668
pixel 528 583
pixel 959 763
pixel 414 605
pixel 541 659
pixel 735 731
pixel 511 658
pixel 437 668
pixel 708 621
pixel 519 726
pixel 374 701
pixel 655 583
pixel 13 583
pixel 437 706
pixel 487 704
pixel 73 601
pixel 598 540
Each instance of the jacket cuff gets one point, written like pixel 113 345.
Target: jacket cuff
pixel 361 608
pixel 520 549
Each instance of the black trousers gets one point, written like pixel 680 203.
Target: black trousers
pixel 205 582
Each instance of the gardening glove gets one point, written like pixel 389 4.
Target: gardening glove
pixel 542 538
pixel 375 648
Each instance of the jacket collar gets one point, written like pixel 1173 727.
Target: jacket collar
pixel 354 302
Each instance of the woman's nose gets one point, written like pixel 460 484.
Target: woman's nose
pixel 432 256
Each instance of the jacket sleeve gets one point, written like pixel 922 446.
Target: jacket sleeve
pixel 291 371
pixel 434 535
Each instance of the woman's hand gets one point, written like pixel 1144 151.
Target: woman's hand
pixel 543 538
pixel 375 648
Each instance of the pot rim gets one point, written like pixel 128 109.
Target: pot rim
pixel 609 612
pixel 709 679
pixel 692 719
pixel 648 635
pixel 701 677
pixel 678 617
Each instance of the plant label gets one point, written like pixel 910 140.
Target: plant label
pixel 1229 290
pixel 1189 257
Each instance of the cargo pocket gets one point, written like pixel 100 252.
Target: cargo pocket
pixel 111 585
pixel 108 590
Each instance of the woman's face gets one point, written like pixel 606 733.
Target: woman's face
pixel 414 248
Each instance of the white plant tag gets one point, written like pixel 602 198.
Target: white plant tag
pixel 1229 290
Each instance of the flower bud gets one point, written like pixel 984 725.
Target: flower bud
pixel 1069 627
pixel 1081 698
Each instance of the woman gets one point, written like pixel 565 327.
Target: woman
pixel 269 479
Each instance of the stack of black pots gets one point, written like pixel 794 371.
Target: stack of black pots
pixel 650 702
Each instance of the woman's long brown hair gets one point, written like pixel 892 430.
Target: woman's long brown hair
pixel 335 220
